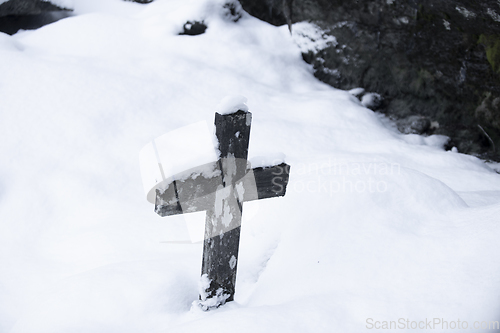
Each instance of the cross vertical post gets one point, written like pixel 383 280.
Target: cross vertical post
pixel 223 221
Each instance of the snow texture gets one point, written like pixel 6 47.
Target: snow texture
pixel 370 99
pixel 357 91
pixel 67 4
pixel 231 104
pixel 270 159
pixel 173 155
pixel 374 224
pixel 446 24
pixel 494 15
pixel 465 12
pixel 206 302
pixel 310 37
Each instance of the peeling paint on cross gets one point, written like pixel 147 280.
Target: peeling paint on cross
pixel 220 188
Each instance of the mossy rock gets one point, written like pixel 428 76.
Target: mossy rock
pixel 492 45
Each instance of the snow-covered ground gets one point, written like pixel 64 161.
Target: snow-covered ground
pixel 375 225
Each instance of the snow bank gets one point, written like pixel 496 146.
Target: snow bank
pixel 173 153
pixel 7 43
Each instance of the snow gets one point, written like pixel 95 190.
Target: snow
pixel 191 145
pixel 374 224
pixel 465 12
pixel 231 104
pixel 357 91
pixel 310 37
pixel 67 4
pixel 493 15
pixel 205 302
pixel 232 262
pixel 268 160
pixel 435 140
pixel 446 24
pixel 370 99
pixel 6 43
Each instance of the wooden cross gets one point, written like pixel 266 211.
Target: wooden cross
pixel 220 188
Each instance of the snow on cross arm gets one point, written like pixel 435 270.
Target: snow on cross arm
pixel 230 104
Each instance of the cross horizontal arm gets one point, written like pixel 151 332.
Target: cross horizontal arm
pixel 271 181
pixel 196 192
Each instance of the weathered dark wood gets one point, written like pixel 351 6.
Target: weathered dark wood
pixel 192 191
pixel 220 258
pixel 222 225
pixel 233 133
pixel 196 192
pixel 271 182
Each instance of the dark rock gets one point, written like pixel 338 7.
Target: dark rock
pixel 438 59
pixel 414 125
pixel 271 11
pixel 11 24
pixel 232 11
pixel 27 7
pixel 193 28
pixel 141 1
pixel 29 14
pixel 489 110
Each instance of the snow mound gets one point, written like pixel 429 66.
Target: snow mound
pixel 231 104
